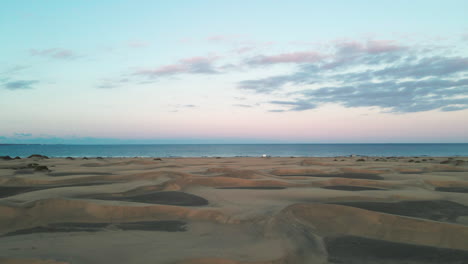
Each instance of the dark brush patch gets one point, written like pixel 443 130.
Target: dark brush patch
pixel 6 191
pixel 359 250
pixel 41 168
pixel 255 188
pixel 168 226
pixel 93 165
pixel 82 184
pixel 366 176
pixel 60 174
pixel 60 227
pixel 437 210
pixel 23 171
pixel 27 168
pixel 167 198
pixel 452 189
pixel 411 172
pixel 351 188
pixel 37 156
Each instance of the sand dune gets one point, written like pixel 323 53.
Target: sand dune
pixel 344 173
pixel 234 210
pixel 59 210
pixel 332 220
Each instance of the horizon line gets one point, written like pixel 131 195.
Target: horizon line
pixel 338 143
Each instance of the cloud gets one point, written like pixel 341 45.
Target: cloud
pixel 55 53
pixel 265 85
pixel 346 52
pixel 299 105
pixel 430 67
pixel 243 50
pixel 20 85
pixel 178 107
pixel 192 65
pixel 106 86
pixel 426 67
pixel 373 52
pixel 348 47
pixel 243 105
pixel 295 57
pixel 405 96
pixel 275 83
pixel 436 66
pixel 401 97
pixel 453 108
pixel 9 74
pixel 113 83
pixel 14 70
pixel 382 74
pixel 314 66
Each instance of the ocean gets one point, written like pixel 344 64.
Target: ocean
pixel 237 150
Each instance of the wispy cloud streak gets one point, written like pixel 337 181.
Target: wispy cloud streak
pixel 193 65
pixel 55 53
pixel 295 57
pixel 20 85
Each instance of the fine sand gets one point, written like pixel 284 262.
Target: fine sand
pixel 234 210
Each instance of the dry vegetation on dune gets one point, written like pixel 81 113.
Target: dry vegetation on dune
pixel 234 210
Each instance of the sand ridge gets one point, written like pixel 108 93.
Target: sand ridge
pixel 233 210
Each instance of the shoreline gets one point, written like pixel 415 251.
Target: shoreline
pixel 240 150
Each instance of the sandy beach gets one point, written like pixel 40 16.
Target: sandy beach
pixel 234 210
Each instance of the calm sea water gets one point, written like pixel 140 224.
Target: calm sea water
pixel 235 150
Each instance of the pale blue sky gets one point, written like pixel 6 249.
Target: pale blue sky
pixel 233 71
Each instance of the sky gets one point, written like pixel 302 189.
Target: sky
pixel 109 71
